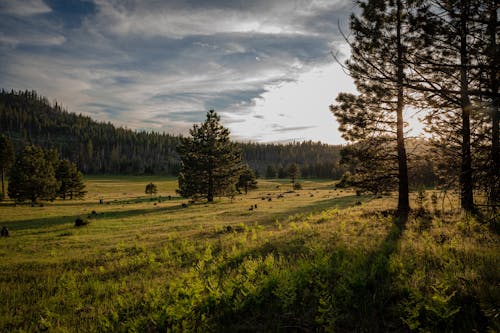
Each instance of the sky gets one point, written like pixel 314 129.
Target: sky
pixel 265 66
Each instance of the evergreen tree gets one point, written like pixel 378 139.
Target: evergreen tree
pixel 457 69
pixel 6 159
pixel 270 171
pixel 210 162
pixel 32 177
pixel 151 189
pixel 70 180
pixel 281 172
pixel 377 65
pixel 293 172
pixel 247 179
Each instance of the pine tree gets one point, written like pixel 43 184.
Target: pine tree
pixel 247 179
pixel 32 177
pixel 457 69
pixel 377 66
pixel 70 180
pixel 293 172
pixel 6 159
pixel 270 171
pixel 151 189
pixel 210 162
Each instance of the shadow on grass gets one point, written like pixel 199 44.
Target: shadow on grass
pixel 266 218
pixel 45 222
pixel 77 202
pixel 344 289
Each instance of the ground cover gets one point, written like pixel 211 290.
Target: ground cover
pixel 317 259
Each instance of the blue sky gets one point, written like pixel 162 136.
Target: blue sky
pixel 264 66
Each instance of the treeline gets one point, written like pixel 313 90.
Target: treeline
pixel 96 148
pixel 102 148
pixel 314 159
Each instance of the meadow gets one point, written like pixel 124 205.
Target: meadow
pixel 274 260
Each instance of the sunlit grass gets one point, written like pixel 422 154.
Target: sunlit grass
pixel 315 259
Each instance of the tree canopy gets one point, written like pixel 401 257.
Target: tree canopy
pixel 33 176
pixel 210 163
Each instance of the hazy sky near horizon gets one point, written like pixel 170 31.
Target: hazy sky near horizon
pixel 265 66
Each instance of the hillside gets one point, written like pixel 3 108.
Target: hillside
pixel 102 148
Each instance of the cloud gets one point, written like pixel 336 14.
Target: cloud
pixel 24 8
pixel 162 64
pixel 293 128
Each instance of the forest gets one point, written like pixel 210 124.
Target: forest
pixel 102 148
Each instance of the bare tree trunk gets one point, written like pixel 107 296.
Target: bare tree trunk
pixel 494 106
pixel 3 185
pixel 466 185
pixel 210 191
pixel 403 199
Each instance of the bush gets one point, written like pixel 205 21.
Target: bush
pixel 297 186
pixel 79 222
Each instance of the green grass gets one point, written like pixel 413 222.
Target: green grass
pixel 314 260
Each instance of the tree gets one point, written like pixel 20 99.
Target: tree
pixel 377 65
pixel 210 162
pixel 6 159
pixel 281 172
pixel 247 179
pixel 270 171
pixel 151 189
pixel 293 172
pixel 32 177
pixel 448 74
pixel 70 180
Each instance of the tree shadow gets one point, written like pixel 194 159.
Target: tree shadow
pixel 45 222
pixel 347 290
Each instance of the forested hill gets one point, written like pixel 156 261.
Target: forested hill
pixel 102 148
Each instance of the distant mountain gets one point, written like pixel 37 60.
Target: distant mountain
pixel 102 148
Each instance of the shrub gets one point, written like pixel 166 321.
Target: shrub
pixel 79 222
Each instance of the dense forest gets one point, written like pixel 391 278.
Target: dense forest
pixel 102 148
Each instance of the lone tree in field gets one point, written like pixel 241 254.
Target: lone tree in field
pixel 70 181
pixel 33 176
pixel 210 162
pixel 293 172
pixel 6 159
pixel 247 179
pixel 151 189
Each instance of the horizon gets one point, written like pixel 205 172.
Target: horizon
pixel 265 67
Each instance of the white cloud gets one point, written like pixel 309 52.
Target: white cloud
pixel 24 7
pixel 295 110
pixel 173 20
pixel 253 63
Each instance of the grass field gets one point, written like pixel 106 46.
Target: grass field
pixel 318 259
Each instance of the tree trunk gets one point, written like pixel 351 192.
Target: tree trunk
pixel 403 199
pixel 466 185
pixel 3 186
pixel 210 190
pixel 495 101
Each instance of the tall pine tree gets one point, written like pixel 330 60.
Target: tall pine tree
pixel 457 71
pixel 377 66
pixel 6 159
pixel 210 163
pixel 70 181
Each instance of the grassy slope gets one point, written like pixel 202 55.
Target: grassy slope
pixel 312 260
